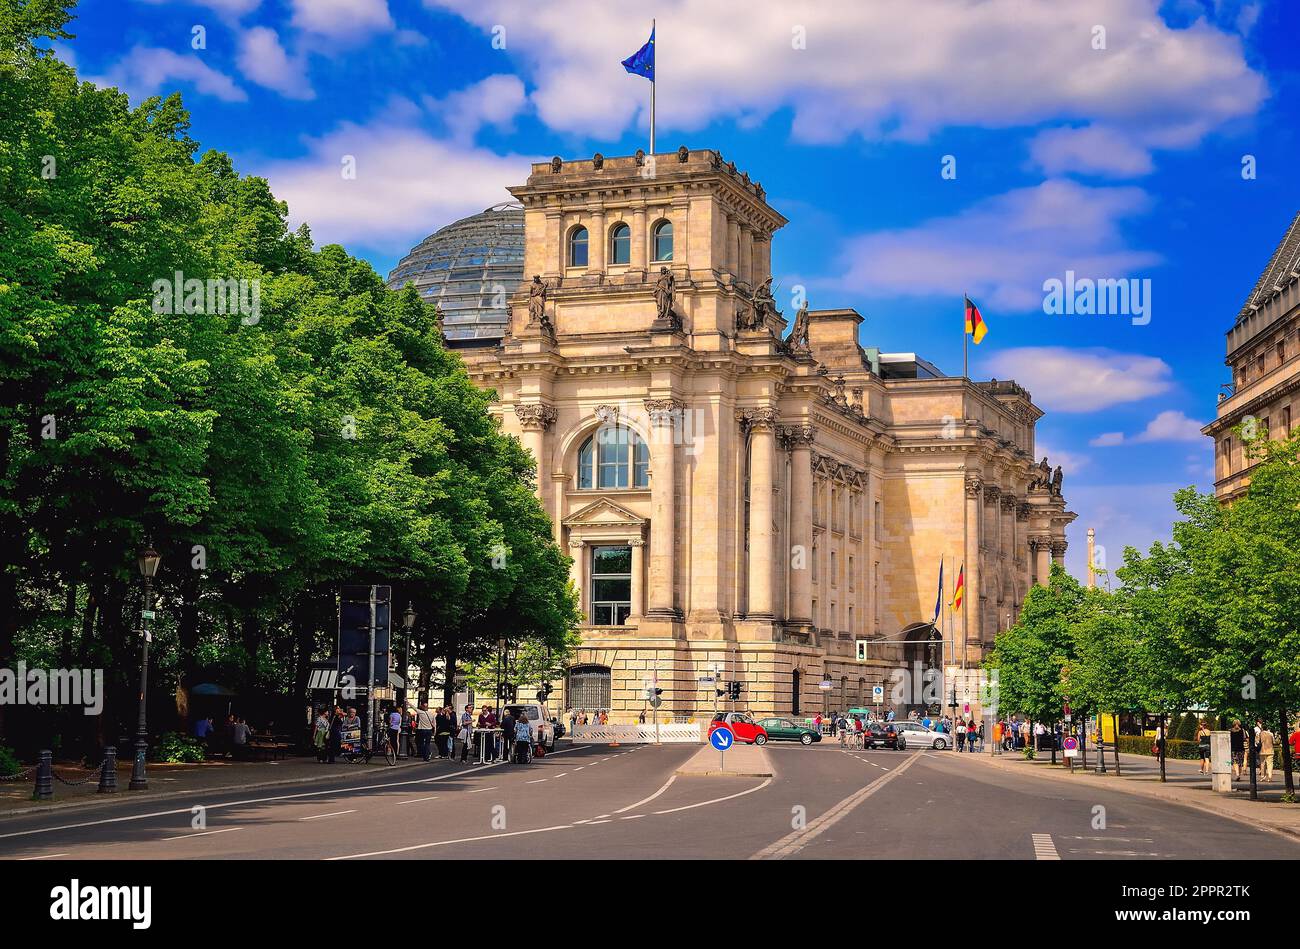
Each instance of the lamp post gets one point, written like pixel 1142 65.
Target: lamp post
pixel 149 560
pixel 408 623
pixel 501 662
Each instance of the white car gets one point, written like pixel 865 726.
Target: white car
pixel 543 730
pixel 916 735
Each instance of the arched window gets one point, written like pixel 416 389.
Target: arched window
pixel 614 457
pixel 620 244
pixel 578 247
pixel 662 241
pixel 589 688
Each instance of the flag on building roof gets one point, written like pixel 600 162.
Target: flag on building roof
pixel 975 326
pixel 642 62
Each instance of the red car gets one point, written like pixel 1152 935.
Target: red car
pixel 742 726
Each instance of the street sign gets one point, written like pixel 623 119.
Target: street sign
pixel 877 694
pixel 656 701
pixel 706 680
pixel 825 685
pixel 722 738
pixel 1071 746
pixel 147 614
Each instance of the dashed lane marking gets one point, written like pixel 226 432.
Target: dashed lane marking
pixel 417 800
pixel 1044 849
pixel 330 814
pixel 204 833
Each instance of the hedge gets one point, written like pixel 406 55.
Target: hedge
pixel 1181 750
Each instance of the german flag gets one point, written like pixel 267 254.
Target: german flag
pixel 960 589
pixel 975 325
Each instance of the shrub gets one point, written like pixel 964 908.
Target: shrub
pixel 9 763
pixel 174 746
pixel 1186 728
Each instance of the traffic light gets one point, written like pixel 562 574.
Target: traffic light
pixel 733 689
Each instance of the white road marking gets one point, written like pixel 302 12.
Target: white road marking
pixel 647 800
pixel 632 817
pixel 418 800
pixel 205 833
pixel 796 840
pixel 561 774
pixel 716 800
pixel 1044 849
pixel 330 814
pixel 480 790
pixel 44 856
pixel 445 843
pixel 537 781
pixel 595 822
pixel 257 800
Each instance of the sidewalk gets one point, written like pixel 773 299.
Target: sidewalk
pixel 1140 774
pixel 177 780
pixel 739 761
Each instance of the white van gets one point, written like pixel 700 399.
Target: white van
pixel 543 730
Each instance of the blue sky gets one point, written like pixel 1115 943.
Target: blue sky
pixel 1104 137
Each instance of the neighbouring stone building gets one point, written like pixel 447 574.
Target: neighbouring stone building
pixel 1262 348
pixel 737 503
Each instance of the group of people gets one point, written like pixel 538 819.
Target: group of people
pixel 231 739
pixel 424 732
pixel 580 716
pixel 1263 741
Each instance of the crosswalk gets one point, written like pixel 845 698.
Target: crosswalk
pixel 1044 849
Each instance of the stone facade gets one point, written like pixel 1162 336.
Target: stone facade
pixel 1262 348
pixel 778 500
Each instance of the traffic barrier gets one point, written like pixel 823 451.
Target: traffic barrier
pixel 637 734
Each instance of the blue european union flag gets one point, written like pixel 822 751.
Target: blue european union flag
pixel 642 62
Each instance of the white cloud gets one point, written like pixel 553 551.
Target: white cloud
pixel 1071 462
pixel 228 8
pixel 890 69
pixel 342 19
pixel 1081 380
pixel 1124 515
pixel 1093 149
pixel 495 100
pixel 407 183
pixel 1169 426
pixel 263 60
pixel 1001 249
pixel 146 70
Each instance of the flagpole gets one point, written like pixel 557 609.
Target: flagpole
pixel 965 364
pixel 652 91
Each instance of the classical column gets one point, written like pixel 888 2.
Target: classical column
pixel 1042 547
pixel 663 508
pixel 536 418
pixel 578 574
pixel 597 241
pixel 971 596
pixel 1008 534
pixel 746 273
pixel 761 425
pixel 798 442
pixel 733 246
pixel 639 238
pixel 1023 554
pixel 1058 550
pixel 638 572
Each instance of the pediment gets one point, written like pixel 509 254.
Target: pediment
pixel 603 512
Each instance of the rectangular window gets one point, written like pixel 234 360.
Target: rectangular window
pixel 1286 422
pixel 611 585
pixel 880 531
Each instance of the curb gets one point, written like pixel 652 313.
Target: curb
pixel 724 774
pixel 1160 795
pixel 121 797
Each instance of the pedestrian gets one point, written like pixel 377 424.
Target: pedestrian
pixel 1265 750
pixel 1237 742
pixel 320 734
pixel 395 730
pixel 960 728
pixel 336 735
pixel 507 733
pixel 424 730
pixel 641 718
pixel 573 720
pixel 523 740
pixel 1203 746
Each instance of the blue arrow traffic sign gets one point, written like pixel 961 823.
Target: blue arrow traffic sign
pixel 722 738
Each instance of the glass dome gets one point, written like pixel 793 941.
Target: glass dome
pixel 470 269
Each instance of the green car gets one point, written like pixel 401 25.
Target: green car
pixel 783 729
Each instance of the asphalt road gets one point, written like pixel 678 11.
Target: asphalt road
pixel 595 801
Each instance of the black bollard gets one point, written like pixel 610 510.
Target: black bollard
pixel 108 772
pixel 44 778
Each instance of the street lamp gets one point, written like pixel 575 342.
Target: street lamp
pixel 149 560
pixel 501 662
pixel 408 623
